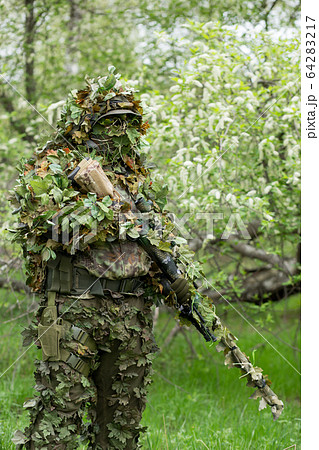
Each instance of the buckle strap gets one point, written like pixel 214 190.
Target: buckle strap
pixel 59 275
pixel 83 337
pixel 77 363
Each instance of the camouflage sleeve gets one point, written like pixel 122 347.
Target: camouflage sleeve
pixel 52 214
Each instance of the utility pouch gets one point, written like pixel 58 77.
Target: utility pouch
pixel 49 337
pixel 53 276
pixel 50 330
pixel 92 178
pixel 59 278
pixel 66 271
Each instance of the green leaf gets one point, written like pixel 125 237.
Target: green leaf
pixel 61 180
pixel 41 185
pixel 19 438
pixel 121 141
pixel 56 168
pixel 85 382
pixel 69 193
pixel 132 134
pixel 109 82
pixel 21 190
pixel 94 211
pixel 179 240
pixel 109 215
pixel 82 219
pixel 46 254
pixel 44 199
pixel 57 194
pixel 75 110
pixel 30 403
pixel 91 196
pixel 133 233
pixel 103 207
pixel 53 159
pixel 98 129
pixel 109 95
pixel 107 201
pixel 64 432
pixel 165 246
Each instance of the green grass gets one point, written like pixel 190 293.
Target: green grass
pixel 194 402
pixel 209 406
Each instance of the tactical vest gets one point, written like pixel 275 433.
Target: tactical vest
pixel 114 266
pixel 94 269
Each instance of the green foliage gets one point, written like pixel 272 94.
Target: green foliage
pixel 212 123
pixel 228 136
pixel 205 405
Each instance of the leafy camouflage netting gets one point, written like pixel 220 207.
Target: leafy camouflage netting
pixel 121 328
pixel 104 122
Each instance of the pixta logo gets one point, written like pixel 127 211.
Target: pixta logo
pixel 66 226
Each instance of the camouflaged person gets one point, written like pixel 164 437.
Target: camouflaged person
pixel 94 323
pixel 100 250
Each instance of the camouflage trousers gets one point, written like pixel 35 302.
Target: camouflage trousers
pixel 105 408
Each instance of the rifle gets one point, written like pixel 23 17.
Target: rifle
pixel 234 357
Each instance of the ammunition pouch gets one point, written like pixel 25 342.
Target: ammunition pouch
pixel 64 278
pixel 84 282
pixel 60 276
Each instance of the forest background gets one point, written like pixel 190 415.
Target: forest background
pixel 221 88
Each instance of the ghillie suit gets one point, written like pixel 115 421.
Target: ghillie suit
pixel 100 251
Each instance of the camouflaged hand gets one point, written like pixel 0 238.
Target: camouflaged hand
pixel 181 289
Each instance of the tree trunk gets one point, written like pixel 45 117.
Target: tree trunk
pixel 71 57
pixel 29 52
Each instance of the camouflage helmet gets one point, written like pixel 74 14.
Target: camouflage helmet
pixel 104 101
pixel 121 105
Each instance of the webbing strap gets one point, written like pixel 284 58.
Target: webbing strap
pixel 65 278
pixel 51 298
pixel 83 282
pixel 73 360
pixel 123 285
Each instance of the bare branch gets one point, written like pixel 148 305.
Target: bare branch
pixel 16 285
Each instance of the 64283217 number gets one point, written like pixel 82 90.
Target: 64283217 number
pixel 310 48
